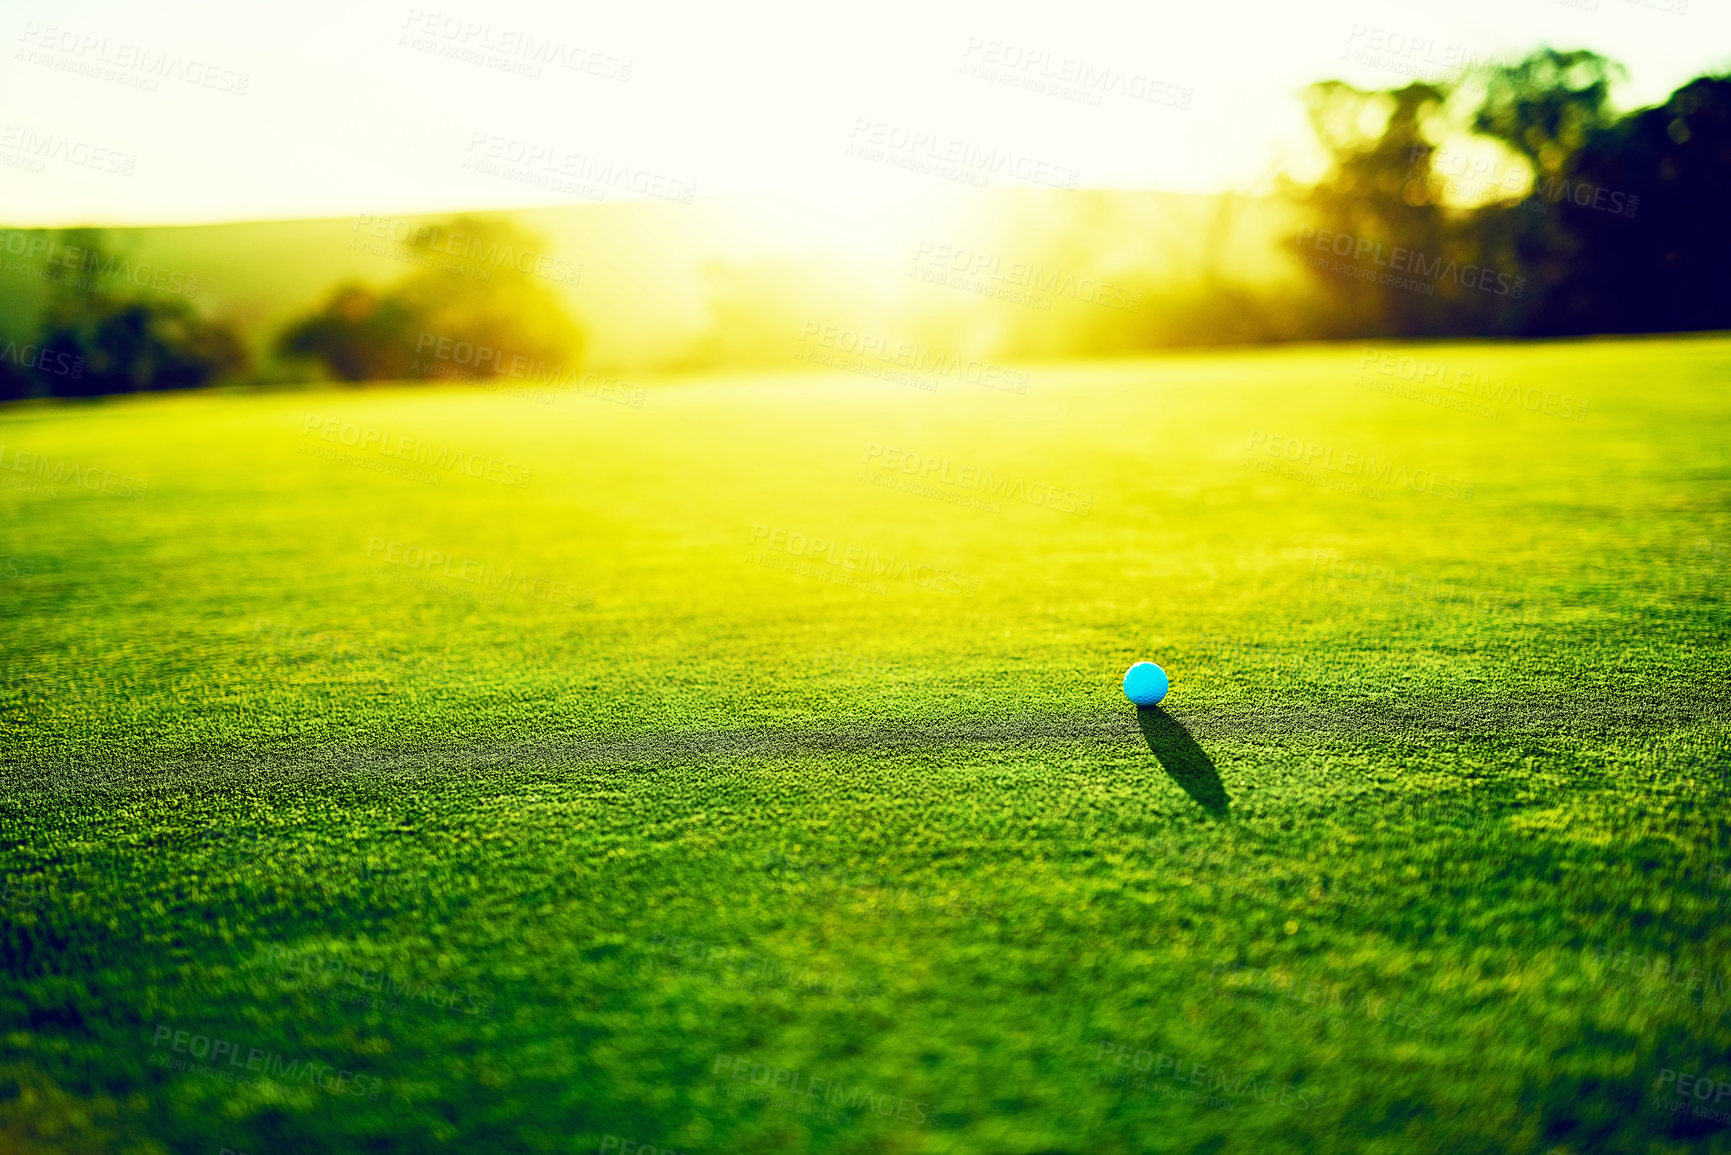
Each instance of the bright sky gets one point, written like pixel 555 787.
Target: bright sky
pixel 127 112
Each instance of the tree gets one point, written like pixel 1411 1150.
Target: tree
pixel 1623 227
pixel 1377 193
pixel 126 343
pixel 358 335
pixel 1548 106
pixel 474 286
pixel 1639 235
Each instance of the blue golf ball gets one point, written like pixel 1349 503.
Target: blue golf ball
pixel 1145 684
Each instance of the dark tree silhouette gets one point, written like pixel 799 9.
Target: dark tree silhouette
pixel 124 342
pixel 1622 226
pixel 358 335
pixel 482 298
pixel 1639 232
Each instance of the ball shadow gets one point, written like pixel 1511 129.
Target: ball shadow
pixel 1183 759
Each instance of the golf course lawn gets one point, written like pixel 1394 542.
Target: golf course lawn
pixel 403 769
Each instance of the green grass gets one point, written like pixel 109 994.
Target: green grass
pixel 1427 767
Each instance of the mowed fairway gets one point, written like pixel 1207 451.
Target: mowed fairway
pixel 644 819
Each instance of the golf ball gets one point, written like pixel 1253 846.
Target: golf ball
pixel 1145 683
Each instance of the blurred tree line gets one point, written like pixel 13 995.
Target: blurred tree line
pixel 1514 201
pixel 97 333
pixel 1517 202
pixel 468 291
pixel 473 315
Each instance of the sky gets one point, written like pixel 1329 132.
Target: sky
pixel 153 113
